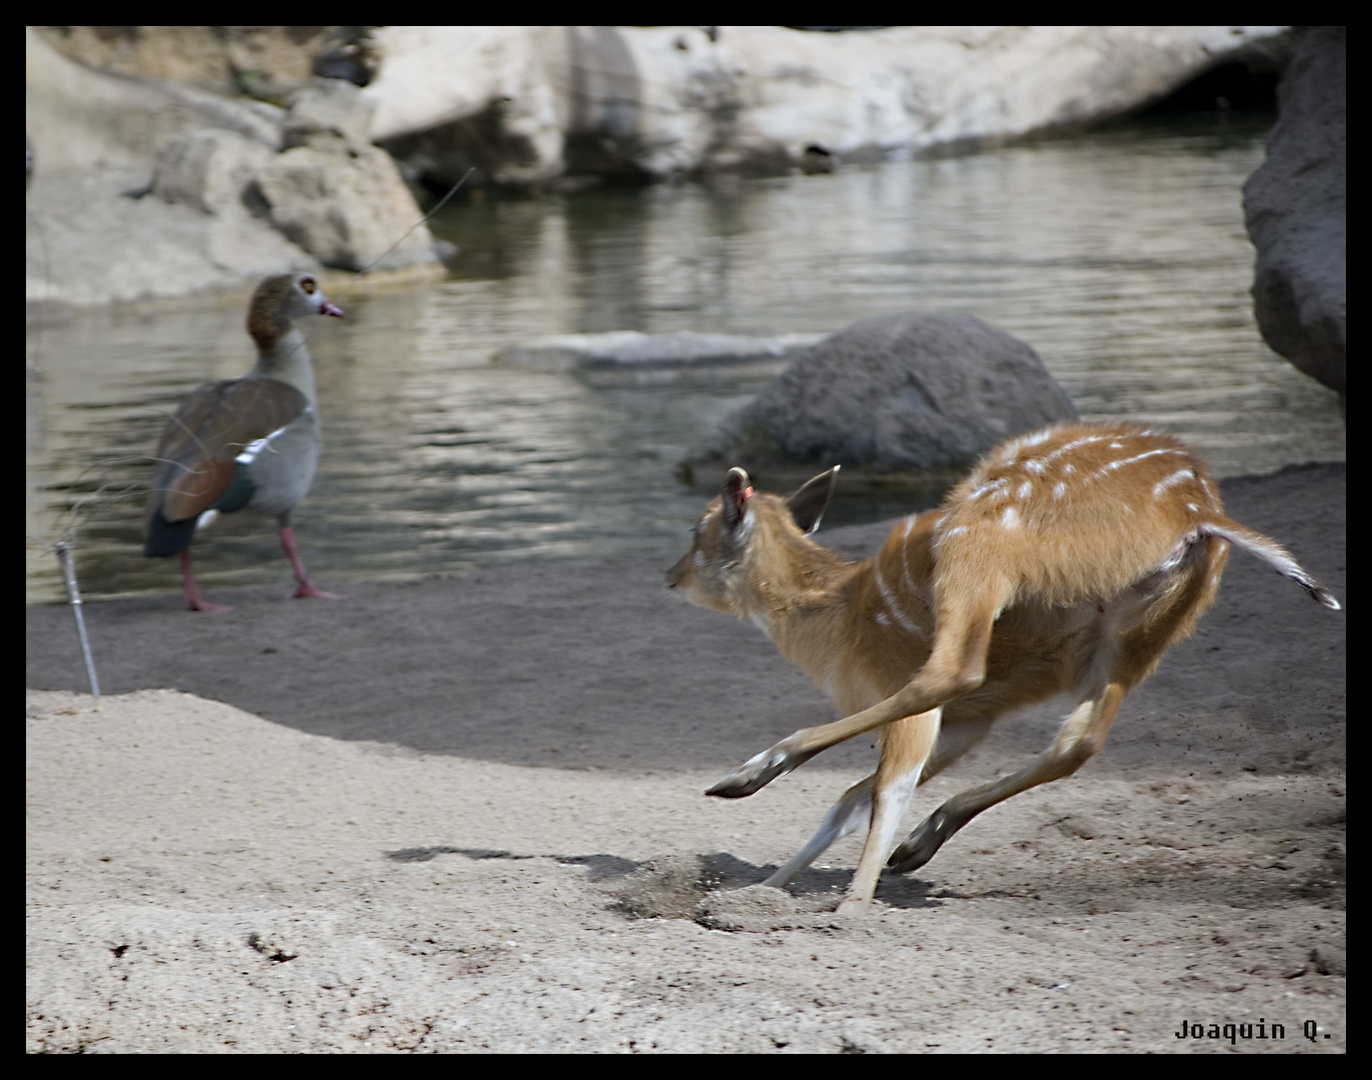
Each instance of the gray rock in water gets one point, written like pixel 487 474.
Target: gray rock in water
pixel 907 399
pixel 1296 206
pixel 629 349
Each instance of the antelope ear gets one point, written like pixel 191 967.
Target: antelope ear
pixel 809 503
pixel 733 497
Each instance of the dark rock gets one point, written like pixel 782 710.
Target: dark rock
pixel 907 399
pixel 1296 208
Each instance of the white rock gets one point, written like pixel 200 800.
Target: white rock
pixel 208 169
pixel 345 210
pixel 629 349
pixel 666 100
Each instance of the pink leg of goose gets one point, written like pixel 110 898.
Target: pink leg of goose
pixel 193 597
pixel 304 587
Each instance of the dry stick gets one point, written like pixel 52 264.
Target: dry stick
pixel 74 595
pixel 63 547
pixel 441 203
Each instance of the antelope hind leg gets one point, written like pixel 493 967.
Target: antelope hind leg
pixel 1080 739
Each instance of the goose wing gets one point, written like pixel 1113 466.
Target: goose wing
pixel 195 456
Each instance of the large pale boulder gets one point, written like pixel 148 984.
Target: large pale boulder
pixel 264 61
pixel 333 193
pixel 96 137
pixel 1296 206
pixel 209 170
pixel 94 121
pixel 88 244
pixel 452 97
pixel 225 203
pixel 346 217
pixel 525 104
pixel 905 399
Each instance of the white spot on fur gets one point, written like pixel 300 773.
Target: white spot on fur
pixel 1059 490
pixel 1035 466
pixel 1025 490
pixel 1010 518
pixel 1068 470
pixel 699 559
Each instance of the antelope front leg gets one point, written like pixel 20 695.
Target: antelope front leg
pixel 905 747
pixel 761 770
pixel 957 665
pixel 852 811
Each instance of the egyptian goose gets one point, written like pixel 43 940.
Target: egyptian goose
pixel 249 442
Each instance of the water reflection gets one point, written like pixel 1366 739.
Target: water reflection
pixel 1121 258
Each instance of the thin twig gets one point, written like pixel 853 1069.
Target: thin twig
pixel 441 203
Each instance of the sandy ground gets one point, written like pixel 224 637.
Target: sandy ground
pixel 467 815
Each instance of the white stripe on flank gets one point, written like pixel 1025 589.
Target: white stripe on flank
pixel 890 600
pixel 986 489
pixel 905 577
pixel 1130 460
pixel 1178 477
pixel 1069 447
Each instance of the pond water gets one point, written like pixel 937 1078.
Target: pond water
pixel 1121 257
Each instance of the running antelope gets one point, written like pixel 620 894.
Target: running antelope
pixel 1071 559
